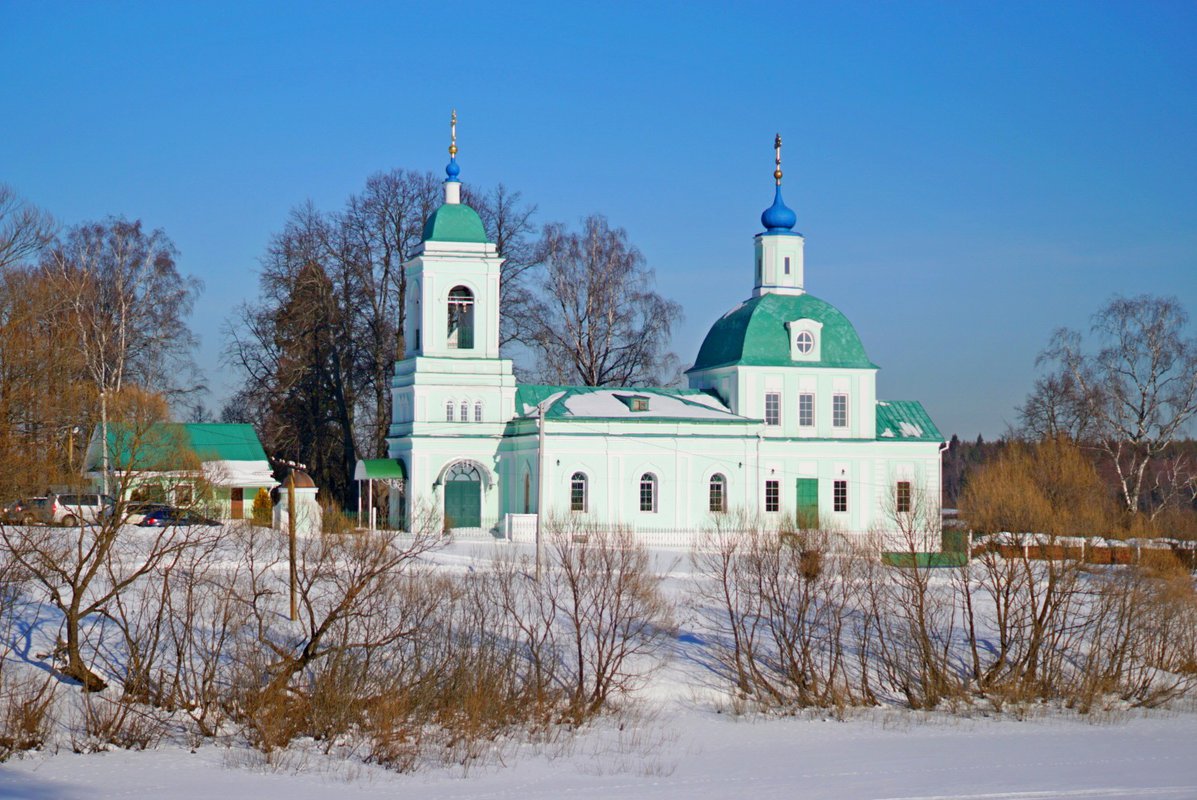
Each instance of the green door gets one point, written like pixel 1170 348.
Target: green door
pixel 808 503
pixel 463 497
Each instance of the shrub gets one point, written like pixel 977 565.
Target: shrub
pixel 262 509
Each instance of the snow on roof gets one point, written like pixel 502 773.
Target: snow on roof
pixel 910 429
pixel 530 408
pixel 611 404
pixel 239 473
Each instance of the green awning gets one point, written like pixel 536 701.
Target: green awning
pixel 372 469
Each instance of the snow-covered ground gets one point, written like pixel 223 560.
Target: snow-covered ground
pixel 673 741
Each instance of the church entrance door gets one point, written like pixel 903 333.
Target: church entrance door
pixel 808 503
pixel 463 497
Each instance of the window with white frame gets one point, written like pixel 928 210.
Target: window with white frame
pixel 839 496
pixel 648 492
pixel 478 411
pixel 465 411
pixel 773 408
pixel 839 410
pixel 717 494
pixel 772 496
pixel 449 406
pixel 577 492
pixel 902 499
pixel 806 409
pixel 804 342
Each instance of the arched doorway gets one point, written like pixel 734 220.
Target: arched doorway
pixel 463 496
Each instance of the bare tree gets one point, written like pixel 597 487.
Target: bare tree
pixel 1139 388
pixel 509 225
pixel 82 569
pixel 122 291
pixel 25 230
pixel 596 319
pixel 1055 408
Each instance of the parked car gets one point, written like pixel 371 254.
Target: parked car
pixel 135 511
pixel 164 516
pixel 72 509
pixel 25 511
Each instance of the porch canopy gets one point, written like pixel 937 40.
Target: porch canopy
pixel 391 470
pixel 377 469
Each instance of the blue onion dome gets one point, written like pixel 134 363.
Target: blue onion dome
pixel 778 218
pixel 453 169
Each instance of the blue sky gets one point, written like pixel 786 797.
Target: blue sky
pixel 968 176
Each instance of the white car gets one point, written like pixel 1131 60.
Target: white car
pixel 73 509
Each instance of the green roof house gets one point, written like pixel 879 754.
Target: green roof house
pixel 167 461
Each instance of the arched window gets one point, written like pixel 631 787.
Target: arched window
pixel 465 411
pixel 478 411
pixel 577 492
pixel 648 492
pixel 527 492
pixel 449 406
pixel 461 318
pixel 464 471
pixel 717 494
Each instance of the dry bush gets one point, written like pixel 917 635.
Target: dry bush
pixel 910 612
pixel 1142 638
pixel 612 610
pixel 25 704
pixel 1047 487
pixel 333 519
pixel 782 607
pixel 262 509
pixel 121 722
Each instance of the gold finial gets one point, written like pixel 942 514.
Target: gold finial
pixel 777 159
pixel 453 134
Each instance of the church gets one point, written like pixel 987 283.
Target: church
pixel 780 420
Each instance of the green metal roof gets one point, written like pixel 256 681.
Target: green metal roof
pixel 164 445
pixel 755 334
pixel 905 421
pixel 370 469
pixel 454 222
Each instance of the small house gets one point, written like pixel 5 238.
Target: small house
pixel 221 466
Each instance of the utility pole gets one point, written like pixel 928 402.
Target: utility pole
pixel 291 532
pixel 539 485
pixel 291 543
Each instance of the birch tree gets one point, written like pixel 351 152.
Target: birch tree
pixel 121 289
pixel 1139 389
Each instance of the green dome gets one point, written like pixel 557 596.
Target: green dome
pixel 454 222
pixel 755 334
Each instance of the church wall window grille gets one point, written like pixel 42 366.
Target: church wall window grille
pixel 806 410
pixel 478 412
pixel 465 411
pixel 577 493
pixel 839 410
pixel 773 408
pixel 839 496
pixel 902 501
pixel 717 494
pixel 772 496
pixel 648 492
pixel 449 406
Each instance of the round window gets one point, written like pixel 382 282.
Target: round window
pixel 805 342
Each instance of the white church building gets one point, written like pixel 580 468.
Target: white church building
pixel 781 418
